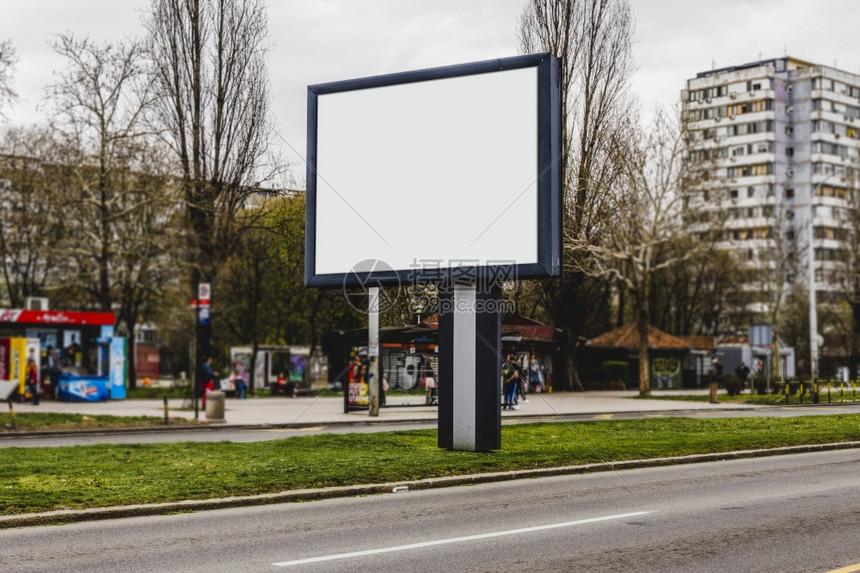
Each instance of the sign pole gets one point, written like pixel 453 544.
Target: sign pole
pixel 373 351
pixel 195 375
pixel 203 332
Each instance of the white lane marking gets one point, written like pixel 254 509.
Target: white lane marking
pixel 456 539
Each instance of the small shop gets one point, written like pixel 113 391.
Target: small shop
pixel 277 366
pixel 410 354
pixel 92 361
pixel 534 344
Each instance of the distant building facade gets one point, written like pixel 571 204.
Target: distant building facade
pixel 780 140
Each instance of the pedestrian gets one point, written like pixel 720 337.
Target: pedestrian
pixel 383 388
pixel 509 382
pixel 536 377
pixel 207 379
pixel 31 376
pixel 430 385
pixel 290 388
pixel 73 352
pixel 521 383
pixel 53 370
pixel 239 384
pixel 715 372
pixel 743 372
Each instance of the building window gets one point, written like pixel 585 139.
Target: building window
pixel 789 193
pixel 733 193
pixel 789 151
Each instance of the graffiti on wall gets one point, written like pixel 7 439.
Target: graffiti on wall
pixel 666 372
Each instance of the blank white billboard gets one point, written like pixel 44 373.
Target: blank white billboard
pixel 430 170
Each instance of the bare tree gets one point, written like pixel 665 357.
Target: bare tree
pixel 147 234
pixel 646 203
pixel 122 204
pixel 32 226
pixel 209 69
pixel 100 100
pixel 8 59
pixel 593 41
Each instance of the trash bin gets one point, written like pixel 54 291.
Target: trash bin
pixel 215 408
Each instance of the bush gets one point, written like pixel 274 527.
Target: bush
pixel 732 385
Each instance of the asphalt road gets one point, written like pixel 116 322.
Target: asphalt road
pixel 790 514
pixel 233 434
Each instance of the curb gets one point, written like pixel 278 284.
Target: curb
pixel 185 506
pixel 207 427
pixel 367 421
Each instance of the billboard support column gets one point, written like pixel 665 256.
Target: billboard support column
pixel 470 325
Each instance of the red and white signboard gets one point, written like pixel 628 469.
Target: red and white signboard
pixel 204 293
pixel 55 317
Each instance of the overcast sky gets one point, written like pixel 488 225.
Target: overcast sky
pixel 316 41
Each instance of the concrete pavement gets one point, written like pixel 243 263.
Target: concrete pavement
pixel 303 411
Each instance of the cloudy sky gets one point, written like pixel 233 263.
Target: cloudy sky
pixel 316 41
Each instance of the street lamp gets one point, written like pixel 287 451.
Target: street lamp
pixel 813 311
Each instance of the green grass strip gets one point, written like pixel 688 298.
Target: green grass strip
pixel 41 479
pixel 53 421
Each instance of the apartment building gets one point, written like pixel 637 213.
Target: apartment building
pixel 779 139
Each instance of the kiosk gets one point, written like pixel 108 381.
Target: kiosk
pixel 92 359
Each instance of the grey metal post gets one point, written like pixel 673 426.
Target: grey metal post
pixel 373 351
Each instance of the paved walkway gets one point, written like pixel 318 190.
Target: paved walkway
pixel 281 411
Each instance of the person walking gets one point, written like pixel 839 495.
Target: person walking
pixel 207 379
pixel 536 377
pixel 743 372
pixel 239 384
pixel 521 383
pixel 509 383
pixel 431 386
pixel 715 372
pixel 53 370
pixel 383 388
pixel 31 376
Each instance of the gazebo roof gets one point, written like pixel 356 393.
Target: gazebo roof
pixel 628 337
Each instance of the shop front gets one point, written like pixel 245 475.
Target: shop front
pixel 409 355
pixel 92 361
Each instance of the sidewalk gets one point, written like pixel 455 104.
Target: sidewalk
pixel 281 411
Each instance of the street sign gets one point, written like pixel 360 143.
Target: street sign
pixel 7 389
pixel 204 292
